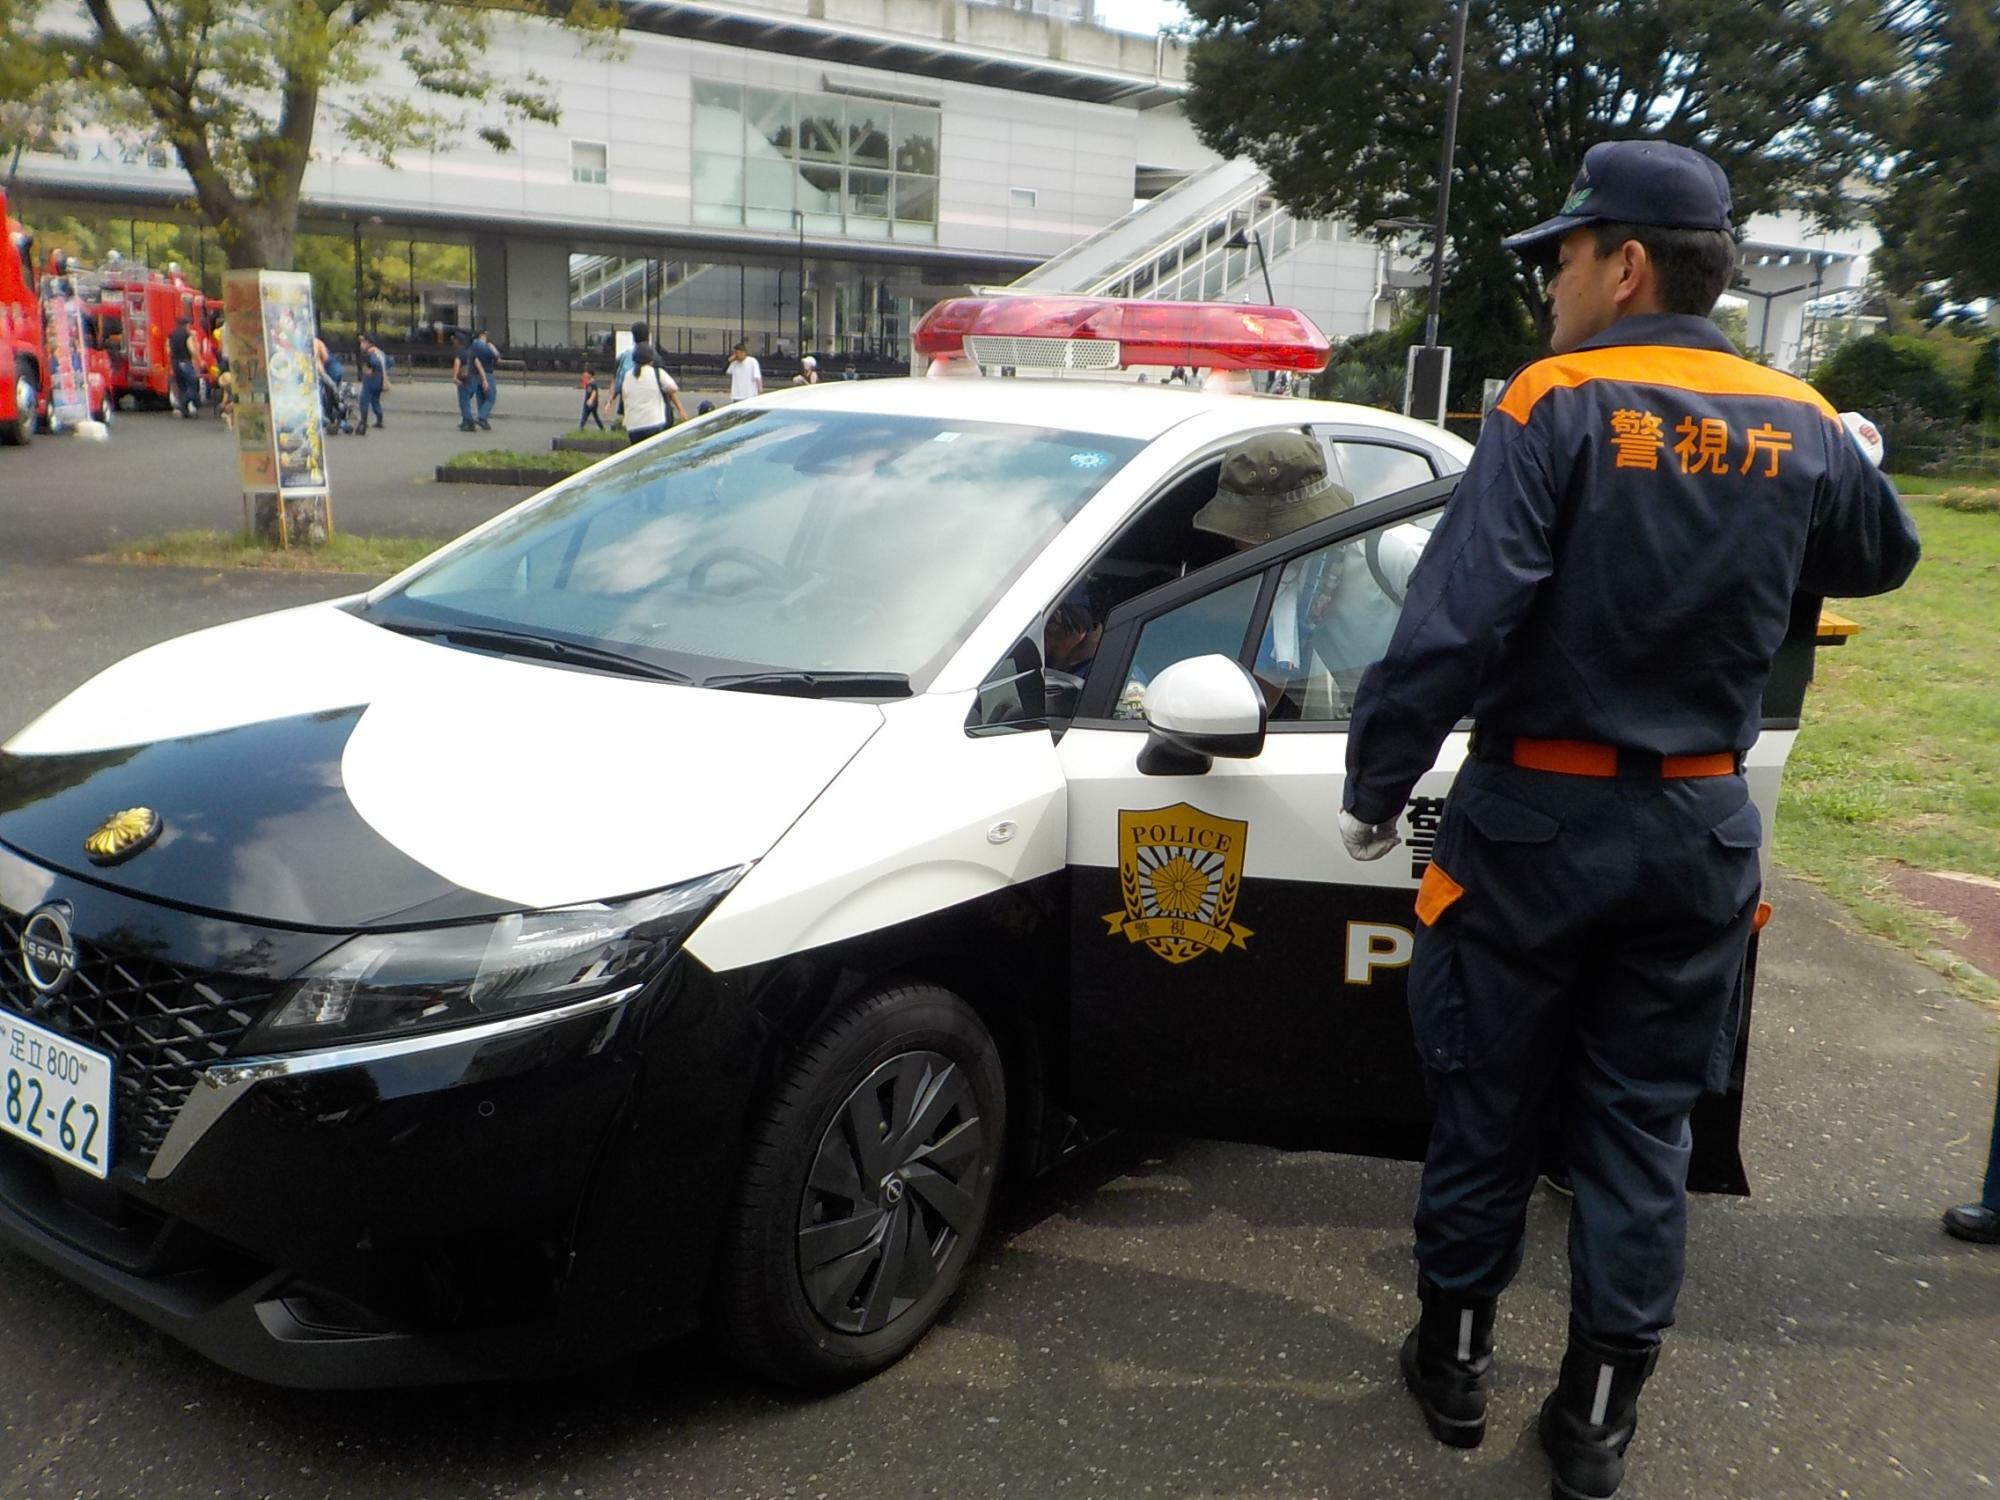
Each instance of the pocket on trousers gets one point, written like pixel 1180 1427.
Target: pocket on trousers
pixel 1742 829
pixel 1437 1001
pixel 1502 820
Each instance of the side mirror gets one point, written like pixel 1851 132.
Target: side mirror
pixel 1197 710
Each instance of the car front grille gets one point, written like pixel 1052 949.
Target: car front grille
pixel 160 1023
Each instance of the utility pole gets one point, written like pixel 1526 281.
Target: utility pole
pixel 1428 371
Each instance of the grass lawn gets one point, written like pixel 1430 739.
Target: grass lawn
pixel 1898 758
pixel 375 555
pixel 555 465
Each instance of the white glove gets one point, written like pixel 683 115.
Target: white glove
pixel 1867 436
pixel 1367 841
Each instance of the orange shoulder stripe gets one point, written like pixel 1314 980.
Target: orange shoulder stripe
pixel 1707 372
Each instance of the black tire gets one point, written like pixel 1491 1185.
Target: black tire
pixel 917 1045
pixel 27 403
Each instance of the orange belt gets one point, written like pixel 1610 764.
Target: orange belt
pixel 1581 758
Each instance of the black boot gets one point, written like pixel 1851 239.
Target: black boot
pixel 1448 1364
pixel 1589 1418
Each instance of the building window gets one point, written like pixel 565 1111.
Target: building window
pixel 1020 197
pixel 826 163
pixel 588 162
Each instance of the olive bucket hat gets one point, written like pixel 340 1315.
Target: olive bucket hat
pixel 1272 484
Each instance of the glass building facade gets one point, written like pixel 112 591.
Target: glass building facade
pixel 845 164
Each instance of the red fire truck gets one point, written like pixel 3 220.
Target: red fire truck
pixel 23 362
pixel 143 306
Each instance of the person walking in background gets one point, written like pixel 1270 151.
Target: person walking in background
pixel 746 376
pixel 180 354
pixel 374 381
pixel 1980 1222
pixel 484 358
pixel 587 384
pixel 621 370
pixel 808 372
pixel 648 392
pixel 465 379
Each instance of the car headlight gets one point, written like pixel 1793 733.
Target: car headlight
pixel 390 984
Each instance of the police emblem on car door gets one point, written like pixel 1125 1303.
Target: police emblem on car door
pixel 1180 872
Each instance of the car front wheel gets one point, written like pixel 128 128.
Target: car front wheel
pixel 866 1186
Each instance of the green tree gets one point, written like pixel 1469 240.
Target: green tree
pixel 239 90
pixel 1342 103
pixel 1940 221
pixel 34 104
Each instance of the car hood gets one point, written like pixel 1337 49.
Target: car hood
pixel 312 769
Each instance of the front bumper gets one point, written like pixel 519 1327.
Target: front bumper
pixel 401 1216
pixel 469 1204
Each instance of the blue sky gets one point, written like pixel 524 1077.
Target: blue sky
pixel 1139 15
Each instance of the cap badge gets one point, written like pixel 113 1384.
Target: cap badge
pixel 122 835
pixel 1576 199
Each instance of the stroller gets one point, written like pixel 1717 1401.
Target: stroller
pixel 340 401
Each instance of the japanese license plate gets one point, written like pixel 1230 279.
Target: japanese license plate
pixel 55 1094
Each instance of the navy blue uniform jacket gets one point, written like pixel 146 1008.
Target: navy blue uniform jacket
pixel 1619 561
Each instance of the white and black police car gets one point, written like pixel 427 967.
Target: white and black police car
pixel 684 896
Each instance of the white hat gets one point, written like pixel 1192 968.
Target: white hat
pixel 810 363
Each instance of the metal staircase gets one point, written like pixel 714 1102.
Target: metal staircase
pixel 1176 247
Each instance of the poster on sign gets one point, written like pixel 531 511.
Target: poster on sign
pixel 267 336
pixel 69 374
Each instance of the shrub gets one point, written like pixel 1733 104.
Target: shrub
pixel 1889 375
pixel 1983 386
pixel 1971 498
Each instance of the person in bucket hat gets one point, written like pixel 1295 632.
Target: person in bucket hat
pixel 1603 594
pixel 1271 485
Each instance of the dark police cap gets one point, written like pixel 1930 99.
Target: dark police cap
pixel 1635 182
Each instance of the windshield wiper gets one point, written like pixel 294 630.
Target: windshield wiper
pixel 539 647
pixel 816 684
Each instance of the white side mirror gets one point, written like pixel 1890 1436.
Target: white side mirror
pixel 1198 709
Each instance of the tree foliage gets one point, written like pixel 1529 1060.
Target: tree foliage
pixel 239 88
pixel 1940 222
pixel 1342 103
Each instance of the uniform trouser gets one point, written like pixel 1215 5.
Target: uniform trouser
pixel 1591 967
pixel 486 399
pixel 467 389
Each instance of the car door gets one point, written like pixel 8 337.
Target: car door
pixel 1233 971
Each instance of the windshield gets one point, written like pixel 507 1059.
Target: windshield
pixel 776 541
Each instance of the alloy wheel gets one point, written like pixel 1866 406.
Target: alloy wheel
pixel 901 1177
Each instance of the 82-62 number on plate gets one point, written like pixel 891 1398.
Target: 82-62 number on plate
pixel 55 1095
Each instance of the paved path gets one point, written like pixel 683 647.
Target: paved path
pixel 1164 1318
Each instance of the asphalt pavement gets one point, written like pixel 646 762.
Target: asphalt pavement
pixel 1162 1317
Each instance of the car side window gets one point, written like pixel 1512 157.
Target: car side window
pixel 1216 622
pixel 1331 618
pixel 1368 471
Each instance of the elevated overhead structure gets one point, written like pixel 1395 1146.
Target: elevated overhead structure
pixel 798 172
pixel 1213 237
pixel 1788 268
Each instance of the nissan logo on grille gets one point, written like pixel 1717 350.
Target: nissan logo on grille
pixel 48 952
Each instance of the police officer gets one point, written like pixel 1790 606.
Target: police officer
pixel 1603 595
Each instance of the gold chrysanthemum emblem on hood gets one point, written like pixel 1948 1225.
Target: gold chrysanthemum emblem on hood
pixel 123 835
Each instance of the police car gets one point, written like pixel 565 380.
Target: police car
pixel 682 898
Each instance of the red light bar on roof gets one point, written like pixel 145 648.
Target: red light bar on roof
pixel 1205 335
